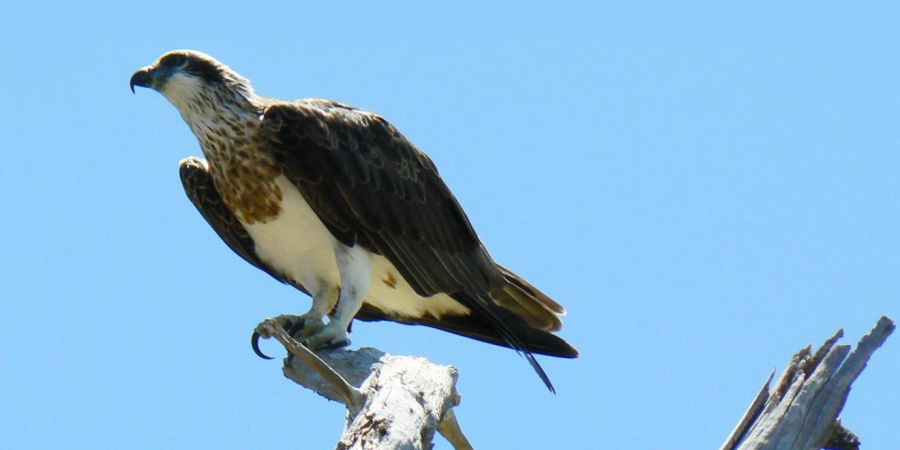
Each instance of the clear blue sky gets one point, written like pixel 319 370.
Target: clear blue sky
pixel 706 187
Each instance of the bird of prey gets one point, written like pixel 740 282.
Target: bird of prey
pixel 334 201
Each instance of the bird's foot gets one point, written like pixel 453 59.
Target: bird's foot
pixel 304 326
pixel 333 335
pixel 298 327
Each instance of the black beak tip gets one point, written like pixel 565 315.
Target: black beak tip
pixel 142 78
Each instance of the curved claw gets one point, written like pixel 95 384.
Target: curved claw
pixel 254 342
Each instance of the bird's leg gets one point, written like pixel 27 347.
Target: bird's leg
pixel 311 322
pixel 305 325
pixel 355 269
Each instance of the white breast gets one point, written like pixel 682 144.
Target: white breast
pixel 296 242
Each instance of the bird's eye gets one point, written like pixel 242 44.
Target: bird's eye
pixel 175 60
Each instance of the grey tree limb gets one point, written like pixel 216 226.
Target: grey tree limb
pixel 801 412
pixel 393 402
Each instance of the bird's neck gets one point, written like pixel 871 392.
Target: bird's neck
pixel 212 111
pixel 219 119
pixel 244 174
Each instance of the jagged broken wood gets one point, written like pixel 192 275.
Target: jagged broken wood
pixel 393 402
pixel 801 413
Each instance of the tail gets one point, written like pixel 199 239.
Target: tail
pixel 532 316
pixel 519 309
pixel 518 316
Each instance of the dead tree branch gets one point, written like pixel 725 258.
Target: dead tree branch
pixel 393 402
pixel 801 413
pixel 398 402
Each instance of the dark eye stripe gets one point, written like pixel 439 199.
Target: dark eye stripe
pixel 173 60
pixel 199 67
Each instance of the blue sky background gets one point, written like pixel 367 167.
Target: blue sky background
pixel 706 187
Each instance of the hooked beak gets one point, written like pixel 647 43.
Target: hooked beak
pixel 143 78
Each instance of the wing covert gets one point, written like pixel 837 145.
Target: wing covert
pixel 370 186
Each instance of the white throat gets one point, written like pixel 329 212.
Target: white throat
pixel 207 109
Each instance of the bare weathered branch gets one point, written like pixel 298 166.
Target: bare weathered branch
pixel 337 386
pixel 801 413
pixel 393 402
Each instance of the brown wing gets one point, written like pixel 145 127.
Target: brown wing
pixel 199 187
pixel 370 186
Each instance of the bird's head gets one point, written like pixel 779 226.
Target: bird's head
pixel 191 80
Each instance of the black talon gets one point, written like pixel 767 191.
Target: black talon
pixel 254 342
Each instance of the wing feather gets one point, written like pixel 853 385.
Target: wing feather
pixel 371 186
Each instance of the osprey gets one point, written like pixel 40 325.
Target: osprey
pixel 334 201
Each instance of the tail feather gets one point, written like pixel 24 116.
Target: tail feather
pixel 524 311
pixel 518 316
pixel 528 303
